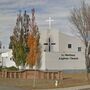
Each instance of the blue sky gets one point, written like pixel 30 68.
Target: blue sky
pixel 59 10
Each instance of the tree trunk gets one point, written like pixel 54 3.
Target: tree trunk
pixel 87 62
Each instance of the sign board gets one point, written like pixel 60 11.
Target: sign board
pixel 68 57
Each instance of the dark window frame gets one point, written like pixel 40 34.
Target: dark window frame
pixel 69 46
pixel 79 49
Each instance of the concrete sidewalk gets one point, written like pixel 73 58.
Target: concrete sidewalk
pixel 72 88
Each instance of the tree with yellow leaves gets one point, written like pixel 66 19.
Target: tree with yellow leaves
pixel 34 54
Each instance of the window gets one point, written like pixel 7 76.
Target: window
pixel 69 45
pixel 44 50
pixel 79 49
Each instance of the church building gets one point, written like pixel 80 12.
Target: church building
pixel 61 51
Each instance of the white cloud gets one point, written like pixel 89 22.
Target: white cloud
pixel 59 10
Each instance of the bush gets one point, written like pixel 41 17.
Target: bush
pixel 12 68
pixel 9 68
pixel 0 68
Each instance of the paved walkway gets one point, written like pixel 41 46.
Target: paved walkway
pixel 85 87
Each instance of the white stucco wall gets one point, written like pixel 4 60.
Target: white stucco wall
pixel 64 40
pixel 43 61
pixel 51 60
pixel 6 58
pixel 54 36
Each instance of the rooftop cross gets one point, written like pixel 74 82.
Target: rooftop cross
pixel 49 21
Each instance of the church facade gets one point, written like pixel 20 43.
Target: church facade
pixel 61 52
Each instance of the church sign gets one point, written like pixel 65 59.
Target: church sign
pixel 68 57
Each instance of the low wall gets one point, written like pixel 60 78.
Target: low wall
pixel 31 74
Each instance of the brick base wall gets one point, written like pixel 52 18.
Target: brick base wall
pixel 31 74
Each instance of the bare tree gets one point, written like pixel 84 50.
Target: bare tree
pixel 80 18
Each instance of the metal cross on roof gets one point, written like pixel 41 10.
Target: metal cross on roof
pixel 49 21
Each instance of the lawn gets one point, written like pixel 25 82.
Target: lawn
pixel 69 80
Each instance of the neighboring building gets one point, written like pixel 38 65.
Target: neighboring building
pixel 6 59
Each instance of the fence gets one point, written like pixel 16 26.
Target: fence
pixel 30 74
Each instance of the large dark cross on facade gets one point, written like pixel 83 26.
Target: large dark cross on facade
pixel 49 43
